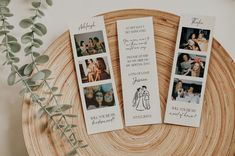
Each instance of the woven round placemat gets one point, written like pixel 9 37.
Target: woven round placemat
pixel 215 136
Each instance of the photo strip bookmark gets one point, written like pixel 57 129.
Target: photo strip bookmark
pixel 189 71
pixel 139 71
pixel 95 76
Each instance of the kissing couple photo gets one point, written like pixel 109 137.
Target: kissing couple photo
pixel 194 39
pixel 141 99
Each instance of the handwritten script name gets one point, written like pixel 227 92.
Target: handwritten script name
pixel 196 21
pixel 135 80
pixel 183 114
pixel 86 26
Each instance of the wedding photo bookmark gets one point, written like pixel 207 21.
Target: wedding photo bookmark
pixel 95 76
pixel 139 71
pixel 189 71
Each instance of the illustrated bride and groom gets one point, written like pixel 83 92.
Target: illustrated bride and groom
pixel 141 99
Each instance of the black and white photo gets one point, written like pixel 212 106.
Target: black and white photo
pixel 194 39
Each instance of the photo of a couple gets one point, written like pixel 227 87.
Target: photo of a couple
pixel 92 70
pixel 89 43
pixel 186 91
pixel 99 96
pixel 190 65
pixel 141 99
pixel 194 39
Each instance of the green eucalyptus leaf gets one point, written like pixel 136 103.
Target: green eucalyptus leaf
pixel 30 82
pixel 60 126
pixel 28 53
pixel 34 95
pixel 36 40
pixel 36 45
pixel 36 4
pixel 36 54
pixel 4 2
pixel 3 50
pixel 67 129
pixel 41 112
pixel 26 39
pixel 72 153
pixel 11 55
pixel 56 114
pixel 28 69
pixel 73 126
pixel 26 23
pixel 4 32
pixel 37 31
pixel 41 27
pixel 2 18
pixel 9 62
pixel 52 108
pixel 9 38
pixel 11 79
pixel 54 89
pixel 57 94
pixel 35 87
pixel 15 59
pixel 49 2
pixel 28 49
pixel 4 63
pixel 59 108
pixel 42 59
pixel 28 34
pixel 4 10
pixel 6 23
pixel 8 14
pixel 23 91
pixel 65 107
pixel 10 27
pixel 47 73
pixel 15 46
pixel 83 146
pixel 38 76
pixel 21 70
pixel 71 115
pixel 42 99
pixel 21 79
pixel 41 13
pixel 14 68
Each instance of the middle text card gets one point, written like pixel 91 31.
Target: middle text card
pixel 139 71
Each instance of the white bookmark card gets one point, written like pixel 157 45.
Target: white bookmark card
pixel 95 76
pixel 189 71
pixel 139 71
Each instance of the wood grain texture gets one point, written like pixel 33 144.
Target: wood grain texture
pixel 214 137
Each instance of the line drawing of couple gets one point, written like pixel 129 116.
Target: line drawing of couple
pixel 141 99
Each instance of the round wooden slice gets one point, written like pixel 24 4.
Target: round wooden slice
pixel 215 136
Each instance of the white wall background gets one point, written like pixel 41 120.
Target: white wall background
pixel 11 138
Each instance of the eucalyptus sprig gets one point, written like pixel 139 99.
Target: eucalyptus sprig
pixel 31 76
